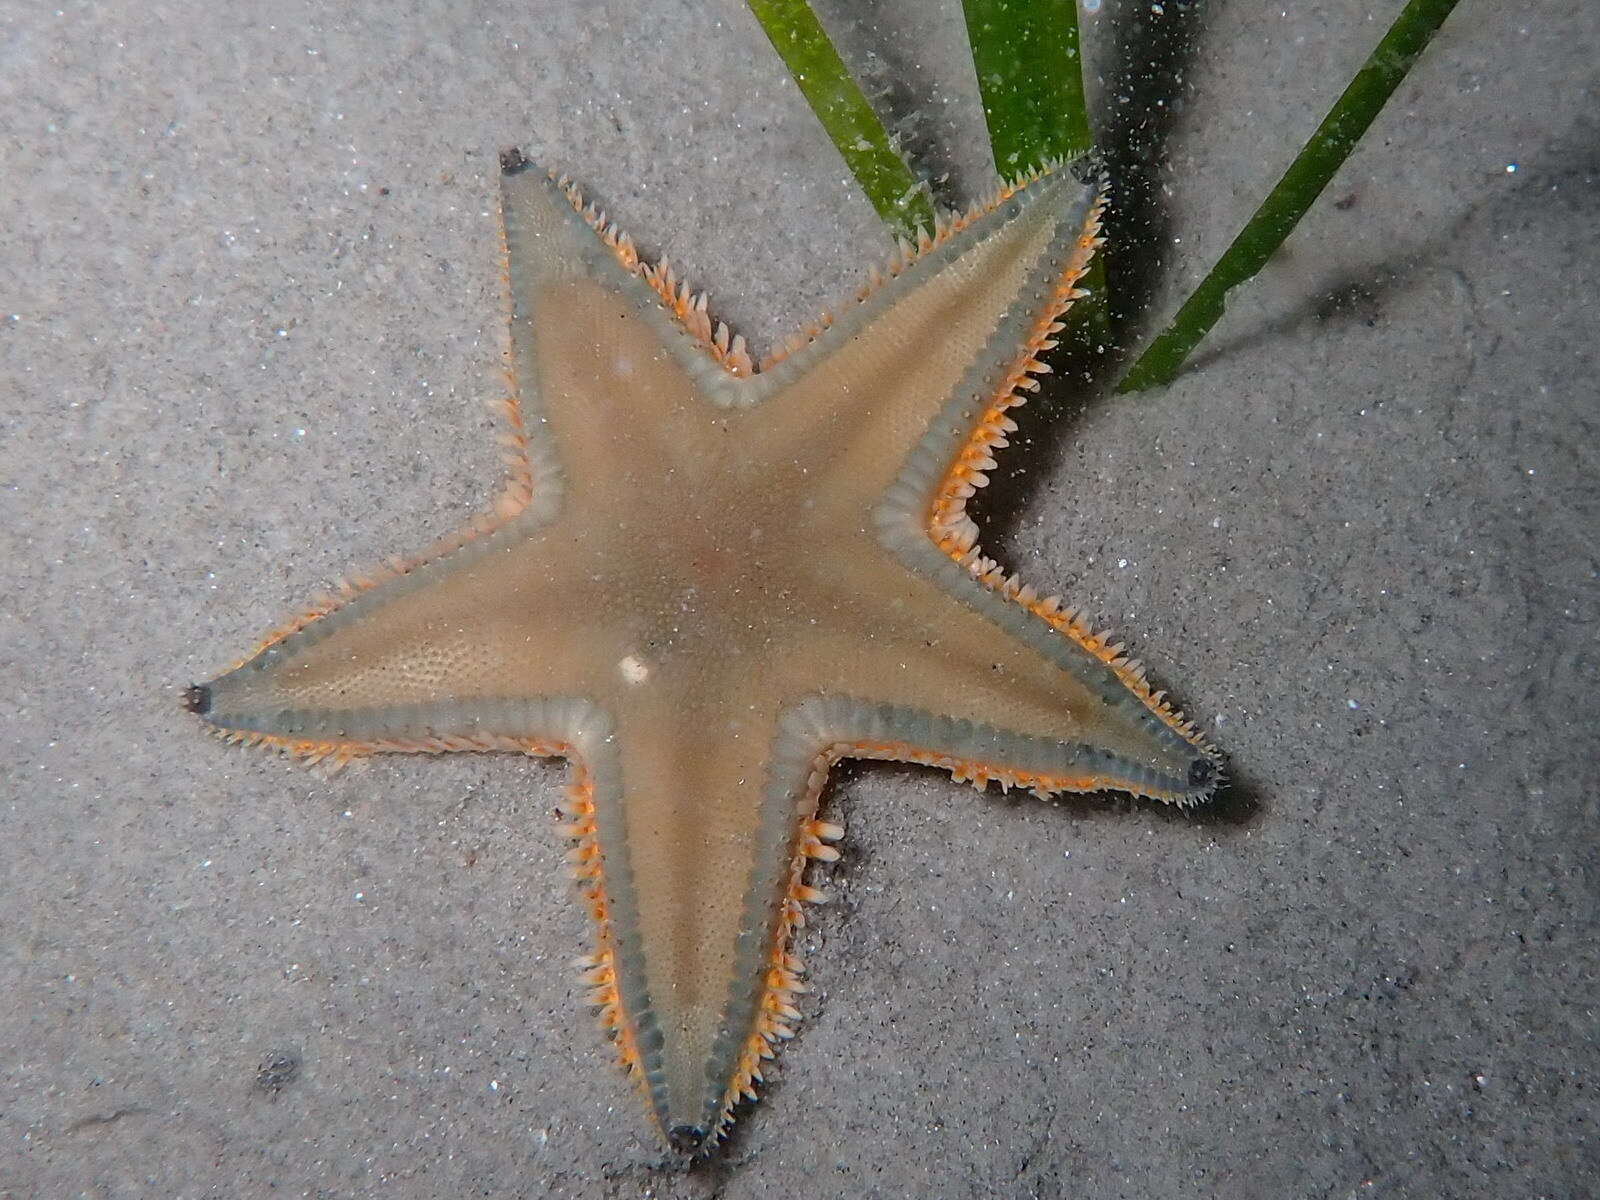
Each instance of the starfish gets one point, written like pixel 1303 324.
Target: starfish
pixel 709 580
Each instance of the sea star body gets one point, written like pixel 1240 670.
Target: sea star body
pixel 708 582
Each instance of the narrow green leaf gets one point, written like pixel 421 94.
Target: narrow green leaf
pixel 851 125
pixel 1281 211
pixel 1030 73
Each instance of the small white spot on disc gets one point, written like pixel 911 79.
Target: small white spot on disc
pixel 634 669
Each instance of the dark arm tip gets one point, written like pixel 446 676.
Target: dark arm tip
pixel 1202 773
pixel 512 161
pixel 686 1139
pixel 197 698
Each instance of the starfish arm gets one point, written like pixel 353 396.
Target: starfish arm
pixel 700 834
pixel 607 372
pixel 469 644
pixel 896 390
pixel 701 820
pixel 981 676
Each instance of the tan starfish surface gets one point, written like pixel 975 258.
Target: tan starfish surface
pixel 707 582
